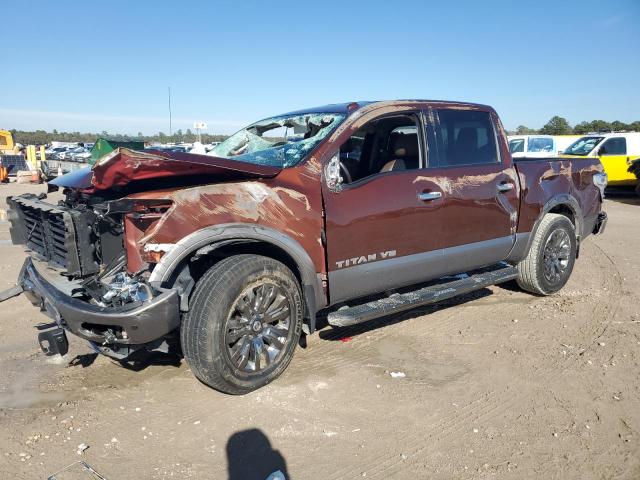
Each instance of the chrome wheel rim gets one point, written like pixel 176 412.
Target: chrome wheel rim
pixel 257 330
pixel 557 251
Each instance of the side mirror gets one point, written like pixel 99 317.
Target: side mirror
pixel 332 173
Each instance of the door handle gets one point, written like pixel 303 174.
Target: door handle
pixel 505 187
pixel 428 196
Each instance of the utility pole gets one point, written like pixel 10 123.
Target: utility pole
pixel 170 126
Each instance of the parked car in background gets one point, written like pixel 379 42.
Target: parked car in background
pixel 531 145
pixel 237 252
pixel 67 153
pixel 168 148
pixel 83 156
pixel 539 145
pixel 53 152
pixel 616 151
pixel 72 155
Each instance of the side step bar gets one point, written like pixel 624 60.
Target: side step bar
pixel 399 302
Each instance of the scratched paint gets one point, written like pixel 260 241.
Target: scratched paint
pixel 293 200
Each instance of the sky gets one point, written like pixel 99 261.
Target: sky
pixel 106 66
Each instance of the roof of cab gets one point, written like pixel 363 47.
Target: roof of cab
pixel 350 107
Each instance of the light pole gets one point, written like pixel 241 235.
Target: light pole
pixel 199 126
pixel 170 126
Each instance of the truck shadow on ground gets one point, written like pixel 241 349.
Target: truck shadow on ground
pixel 174 358
pixel 338 333
pixel 136 363
pixel 144 360
pixel 622 195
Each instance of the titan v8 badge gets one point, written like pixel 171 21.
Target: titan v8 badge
pixel 372 257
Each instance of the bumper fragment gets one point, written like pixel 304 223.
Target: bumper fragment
pixel 601 223
pixel 53 342
pixel 138 323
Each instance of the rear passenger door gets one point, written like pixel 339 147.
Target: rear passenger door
pixel 479 184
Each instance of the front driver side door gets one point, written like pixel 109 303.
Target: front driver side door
pixel 383 228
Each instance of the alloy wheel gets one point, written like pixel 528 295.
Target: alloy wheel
pixel 257 329
pixel 556 256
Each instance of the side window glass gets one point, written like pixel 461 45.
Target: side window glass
pixel 516 145
pixel 387 144
pixel 465 137
pixel 540 144
pixel 614 146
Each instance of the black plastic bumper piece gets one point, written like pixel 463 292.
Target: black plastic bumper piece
pixel 140 322
pixel 10 293
pixel 601 223
pixel 53 342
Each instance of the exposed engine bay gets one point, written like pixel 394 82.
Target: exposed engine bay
pixel 82 239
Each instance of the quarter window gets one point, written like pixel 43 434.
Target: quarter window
pixel 516 145
pixel 465 137
pixel 614 146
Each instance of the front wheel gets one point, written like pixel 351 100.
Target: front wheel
pixel 549 263
pixel 243 324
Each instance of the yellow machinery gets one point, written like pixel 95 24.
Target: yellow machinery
pixel 7 145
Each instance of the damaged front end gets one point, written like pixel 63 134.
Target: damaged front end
pixel 91 255
pixel 79 275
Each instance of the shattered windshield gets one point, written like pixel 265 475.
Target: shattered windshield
pixel 278 141
pixel 583 145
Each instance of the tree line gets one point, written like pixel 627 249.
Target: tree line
pixel 42 137
pixel 560 126
pixel 556 126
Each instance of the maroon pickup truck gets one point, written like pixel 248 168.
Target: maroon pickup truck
pixel 362 210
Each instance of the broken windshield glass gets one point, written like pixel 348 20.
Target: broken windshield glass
pixel 279 141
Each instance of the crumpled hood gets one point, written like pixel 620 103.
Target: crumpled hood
pixel 123 166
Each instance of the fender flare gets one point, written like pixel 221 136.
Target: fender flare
pixel 524 240
pixel 311 282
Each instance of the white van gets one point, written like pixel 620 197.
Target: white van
pixel 532 146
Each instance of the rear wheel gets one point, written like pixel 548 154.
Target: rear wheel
pixel 244 323
pixel 549 263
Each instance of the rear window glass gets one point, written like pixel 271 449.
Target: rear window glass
pixel 465 137
pixel 540 144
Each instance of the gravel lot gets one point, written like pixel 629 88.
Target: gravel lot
pixel 497 384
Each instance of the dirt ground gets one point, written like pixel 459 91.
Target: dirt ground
pixel 498 384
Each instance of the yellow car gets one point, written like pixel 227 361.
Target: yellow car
pixel 616 151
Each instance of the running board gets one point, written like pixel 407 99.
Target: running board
pixel 399 302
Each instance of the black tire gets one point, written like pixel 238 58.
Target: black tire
pixel 550 260
pixel 235 288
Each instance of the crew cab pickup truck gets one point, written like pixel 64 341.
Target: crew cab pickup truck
pixel 362 210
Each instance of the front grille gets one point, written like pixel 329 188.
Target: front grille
pixel 45 234
pixel 59 235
